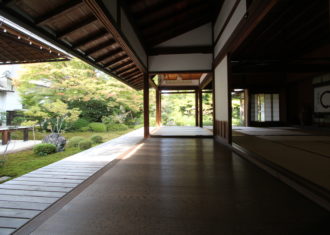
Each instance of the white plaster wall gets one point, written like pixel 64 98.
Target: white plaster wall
pixel 226 8
pixel 111 5
pixel 201 36
pixel 221 91
pixel 180 62
pixel 232 24
pixel 128 31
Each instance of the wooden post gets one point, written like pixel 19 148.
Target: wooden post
pixel 25 134
pixel 200 96
pixel 5 137
pixel 158 108
pixel 146 105
pixel 196 107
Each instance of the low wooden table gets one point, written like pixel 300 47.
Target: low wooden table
pixel 6 133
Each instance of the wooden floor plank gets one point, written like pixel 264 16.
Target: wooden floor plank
pixel 23 178
pixel 6 231
pixel 16 198
pixel 12 222
pixel 35 188
pixel 31 193
pixel 24 205
pixel 18 213
pixel 35 183
pixel 55 176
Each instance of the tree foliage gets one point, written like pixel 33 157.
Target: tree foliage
pixel 80 86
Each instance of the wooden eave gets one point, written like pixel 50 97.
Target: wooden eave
pixel 83 29
pixel 17 47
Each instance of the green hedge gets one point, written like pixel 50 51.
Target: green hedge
pixel 74 141
pixel 80 123
pixel 85 144
pixel 117 127
pixel 98 127
pixel 96 139
pixel 44 149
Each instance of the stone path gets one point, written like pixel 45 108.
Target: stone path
pixel 23 198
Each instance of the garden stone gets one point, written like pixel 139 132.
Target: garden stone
pixel 55 139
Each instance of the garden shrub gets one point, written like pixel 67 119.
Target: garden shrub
pixel 96 139
pixel 117 127
pixel 98 127
pixel 74 141
pixel 85 128
pixel 85 144
pixel 80 123
pixel 44 149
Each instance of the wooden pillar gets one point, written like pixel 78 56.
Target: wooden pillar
pixel 5 137
pixel 246 107
pixel 158 108
pixel 146 105
pixel 200 96
pixel 25 134
pixel 196 108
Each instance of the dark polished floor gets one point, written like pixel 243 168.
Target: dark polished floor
pixel 187 186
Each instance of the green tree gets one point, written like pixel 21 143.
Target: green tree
pixel 80 86
pixel 56 115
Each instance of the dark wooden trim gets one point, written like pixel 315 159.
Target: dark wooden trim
pixel 180 71
pixel 118 21
pixel 131 77
pixel 60 11
pixel 196 108
pixel 180 50
pixel 177 92
pixel 146 105
pixel 99 47
pixel 229 80
pixel 200 96
pixel 178 87
pixel 158 109
pixel 226 22
pixel 83 23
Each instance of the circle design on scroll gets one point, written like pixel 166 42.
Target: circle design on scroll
pixel 321 99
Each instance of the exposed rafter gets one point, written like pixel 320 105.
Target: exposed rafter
pixel 60 11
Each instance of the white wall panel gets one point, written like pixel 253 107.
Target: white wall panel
pixel 232 24
pixel 226 8
pixel 128 31
pixel 201 36
pixel 180 62
pixel 221 91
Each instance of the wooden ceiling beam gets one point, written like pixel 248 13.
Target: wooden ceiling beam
pixel 100 47
pixel 89 38
pixel 134 77
pixel 116 61
pixel 117 68
pixel 109 54
pixel 83 23
pixel 58 12
pixel 125 68
pixel 129 76
pixel 128 72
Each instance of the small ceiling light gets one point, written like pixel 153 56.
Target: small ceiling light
pixel 4 30
pixel 19 37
